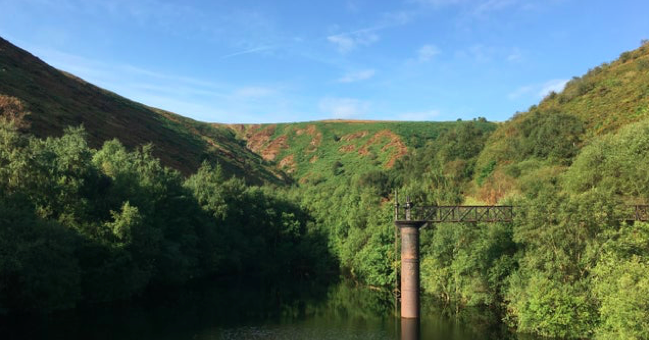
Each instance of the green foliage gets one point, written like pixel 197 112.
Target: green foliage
pixel 38 269
pixel 546 135
pixel 621 284
pixel 553 309
pixel 615 163
pixel 124 222
pixel 486 171
pixel 380 180
pixel 626 56
pixel 359 227
pixel 264 231
pixel 552 135
pixel 77 224
pixel 466 265
pixel 559 236
pixel 439 172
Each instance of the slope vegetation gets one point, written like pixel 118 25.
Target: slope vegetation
pixel 546 139
pixel 57 100
pixel 313 152
pixel 570 266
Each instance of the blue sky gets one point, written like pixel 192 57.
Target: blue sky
pixel 281 61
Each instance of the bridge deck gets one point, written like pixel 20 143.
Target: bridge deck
pixel 487 213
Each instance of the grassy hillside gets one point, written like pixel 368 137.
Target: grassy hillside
pixel 57 99
pixel 545 140
pixel 312 152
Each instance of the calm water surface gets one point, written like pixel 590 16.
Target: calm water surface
pixel 257 310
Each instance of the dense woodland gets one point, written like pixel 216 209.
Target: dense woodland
pixel 81 225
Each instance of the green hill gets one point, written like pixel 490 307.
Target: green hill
pixel 57 99
pixel 312 152
pixel 546 139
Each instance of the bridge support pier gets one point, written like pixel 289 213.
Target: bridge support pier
pixel 409 267
pixel 410 329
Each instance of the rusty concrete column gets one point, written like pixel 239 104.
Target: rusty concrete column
pixel 409 267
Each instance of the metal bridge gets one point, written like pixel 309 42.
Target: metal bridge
pixel 486 213
pixel 411 218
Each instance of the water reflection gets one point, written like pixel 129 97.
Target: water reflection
pixel 246 310
pixel 409 329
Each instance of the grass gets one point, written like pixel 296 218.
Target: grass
pixel 315 151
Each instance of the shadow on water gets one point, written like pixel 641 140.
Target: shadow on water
pixel 243 309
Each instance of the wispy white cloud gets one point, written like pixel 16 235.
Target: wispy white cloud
pixel 162 14
pixel 198 98
pixel 438 3
pixel 352 6
pixel 343 43
pixel 420 116
pixel 488 6
pixel 427 52
pixel 397 18
pixel 247 51
pixel 347 42
pixel 482 53
pixel 472 9
pixel 555 85
pixel 515 55
pixel 254 92
pixel 538 90
pixel 241 30
pixel 344 108
pixel 520 92
pixel 357 76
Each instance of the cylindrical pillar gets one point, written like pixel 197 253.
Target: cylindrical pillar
pixel 409 329
pixel 409 267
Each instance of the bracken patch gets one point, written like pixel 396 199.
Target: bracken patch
pixel 355 135
pixel 347 148
pixel 288 164
pixel 257 139
pixel 399 149
pixel 270 152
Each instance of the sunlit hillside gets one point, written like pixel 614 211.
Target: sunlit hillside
pixel 546 139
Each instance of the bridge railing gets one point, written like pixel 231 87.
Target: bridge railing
pixel 458 213
pixel 487 213
pixel 465 213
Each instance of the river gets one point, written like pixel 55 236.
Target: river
pixel 244 310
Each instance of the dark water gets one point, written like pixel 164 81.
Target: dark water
pixel 258 310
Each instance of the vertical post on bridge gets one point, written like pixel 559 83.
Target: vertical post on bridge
pixel 409 263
